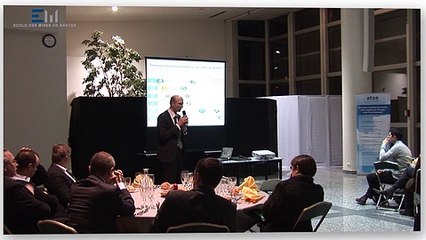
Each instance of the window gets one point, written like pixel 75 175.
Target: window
pixel 333 14
pixel 251 29
pixel 308 53
pixel 390 37
pixel 252 90
pixel 308 87
pixel 395 83
pixel 279 89
pixel 278 26
pixel 335 85
pixel 334 49
pixel 307 18
pixel 251 59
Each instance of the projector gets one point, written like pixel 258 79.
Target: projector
pixel 263 154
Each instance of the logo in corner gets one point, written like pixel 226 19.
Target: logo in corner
pixel 40 15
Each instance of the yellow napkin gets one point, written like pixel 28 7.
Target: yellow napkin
pixel 250 190
pixel 251 195
pixel 248 182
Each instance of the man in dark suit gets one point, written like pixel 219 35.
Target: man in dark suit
pixel 201 204
pixel 22 209
pixel 291 196
pixel 95 202
pixel 171 128
pixel 59 180
pixel 28 161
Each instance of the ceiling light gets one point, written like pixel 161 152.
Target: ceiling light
pixel 277 52
pixel 114 8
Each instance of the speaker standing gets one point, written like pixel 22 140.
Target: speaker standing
pixel 171 129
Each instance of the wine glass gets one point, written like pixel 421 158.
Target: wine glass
pixel 150 194
pixel 223 190
pixel 190 180
pixel 232 181
pixel 236 195
pixel 184 177
pixel 128 182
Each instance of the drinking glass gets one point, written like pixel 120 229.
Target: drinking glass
pixel 150 194
pixel 236 195
pixel 127 181
pixel 223 190
pixel 152 177
pixel 232 181
pixel 190 180
pixel 143 193
pixel 184 177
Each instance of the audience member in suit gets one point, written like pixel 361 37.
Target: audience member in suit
pixel 291 196
pixel 40 175
pixel 27 161
pixel 59 180
pixel 171 128
pixel 9 163
pixel 96 201
pixel 200 204
pixel 22 209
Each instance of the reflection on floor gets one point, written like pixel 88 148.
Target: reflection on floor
pixel 346 215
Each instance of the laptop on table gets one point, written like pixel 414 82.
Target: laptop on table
pixel 226 153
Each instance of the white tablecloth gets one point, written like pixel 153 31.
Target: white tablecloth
pixel 141 223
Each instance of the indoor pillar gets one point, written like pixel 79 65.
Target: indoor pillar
pixel 354 79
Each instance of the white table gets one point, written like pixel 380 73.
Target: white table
pixel 141 223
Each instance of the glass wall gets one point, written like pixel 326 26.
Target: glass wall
pixel 300 53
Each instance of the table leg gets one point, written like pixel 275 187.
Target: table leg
pixel 266 163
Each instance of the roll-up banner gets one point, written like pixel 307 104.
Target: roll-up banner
pixel 373 124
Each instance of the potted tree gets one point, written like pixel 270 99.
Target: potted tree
pixel 111 116
pixel 111 69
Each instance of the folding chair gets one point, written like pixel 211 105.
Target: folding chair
pixel 198 227
pixel 382 201
pixel 319 209
pixel 49 226
pixel 417 193
pixel 268 186
pixel 6 230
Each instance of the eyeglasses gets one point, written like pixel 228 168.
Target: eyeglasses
pixel 293 167
pixel 10 162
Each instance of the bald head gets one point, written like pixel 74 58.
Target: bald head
pixel 176 103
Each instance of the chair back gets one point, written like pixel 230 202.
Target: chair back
pixel 269 185
pixel 319 209
pixel 6 230
pixel 417 192
pixel 49 226
pixel 386 165
pixel 197 227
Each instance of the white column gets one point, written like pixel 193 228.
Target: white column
pixel 354 81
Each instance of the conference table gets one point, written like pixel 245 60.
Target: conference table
pixel 141 221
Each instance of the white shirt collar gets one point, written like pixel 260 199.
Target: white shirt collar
pixel 172 114
pixel 21 178
pixel 61 167
pixel 65 171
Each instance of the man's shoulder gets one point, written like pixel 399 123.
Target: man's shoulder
pixel 165 113
pixel 54 170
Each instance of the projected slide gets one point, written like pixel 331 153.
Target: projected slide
pixel 200 83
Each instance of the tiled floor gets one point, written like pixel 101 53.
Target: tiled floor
pixel 346 215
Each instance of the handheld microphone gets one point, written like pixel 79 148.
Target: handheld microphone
pixel 185 130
